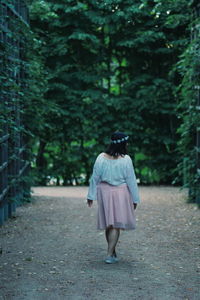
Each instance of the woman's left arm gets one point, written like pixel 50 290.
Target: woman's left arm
pixel 95 178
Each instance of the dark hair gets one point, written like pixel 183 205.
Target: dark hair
pixel 118 145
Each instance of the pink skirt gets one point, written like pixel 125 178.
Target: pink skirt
pixel 115 207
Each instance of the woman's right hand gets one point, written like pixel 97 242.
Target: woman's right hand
pixel 135 205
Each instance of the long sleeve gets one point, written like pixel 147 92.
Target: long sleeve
pixel 131 181
pixel 94 180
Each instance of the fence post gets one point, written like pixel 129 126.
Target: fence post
pixel 1 215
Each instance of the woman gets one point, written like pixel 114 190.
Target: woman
pixel 113 184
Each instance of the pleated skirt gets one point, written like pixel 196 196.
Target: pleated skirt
pixel 115 207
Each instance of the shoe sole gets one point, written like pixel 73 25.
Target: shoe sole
pixel 111 262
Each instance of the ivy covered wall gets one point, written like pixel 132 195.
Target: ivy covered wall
pixel 189 108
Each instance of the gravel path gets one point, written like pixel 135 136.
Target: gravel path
pixel 52 250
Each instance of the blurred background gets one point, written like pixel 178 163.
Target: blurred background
pixel 72 72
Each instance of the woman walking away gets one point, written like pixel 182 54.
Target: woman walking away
pixel 113 184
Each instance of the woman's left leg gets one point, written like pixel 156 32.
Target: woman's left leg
pixel 112 236
pixel 107 231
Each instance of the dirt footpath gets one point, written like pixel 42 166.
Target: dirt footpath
pixel 52 250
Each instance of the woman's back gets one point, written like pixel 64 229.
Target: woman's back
pixel 112 170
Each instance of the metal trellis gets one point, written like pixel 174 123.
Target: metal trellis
pixel 13 161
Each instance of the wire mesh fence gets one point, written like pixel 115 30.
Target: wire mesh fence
pixel 13 157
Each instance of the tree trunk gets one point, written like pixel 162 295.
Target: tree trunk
pixel 41 163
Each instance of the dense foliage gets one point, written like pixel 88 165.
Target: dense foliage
pixel 188 110
pixel 98 66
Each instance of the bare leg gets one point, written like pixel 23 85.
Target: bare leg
pixel 112 236
pixel 107 231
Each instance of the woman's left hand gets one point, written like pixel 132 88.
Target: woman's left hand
pixel 89 202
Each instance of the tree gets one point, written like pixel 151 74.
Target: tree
pixel 110 65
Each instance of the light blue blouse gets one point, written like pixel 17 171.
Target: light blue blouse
pixel 115 172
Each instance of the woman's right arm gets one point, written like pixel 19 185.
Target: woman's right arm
pixel 131 182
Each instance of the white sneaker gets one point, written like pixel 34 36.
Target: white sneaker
pixel 115 258
pixel 111 260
